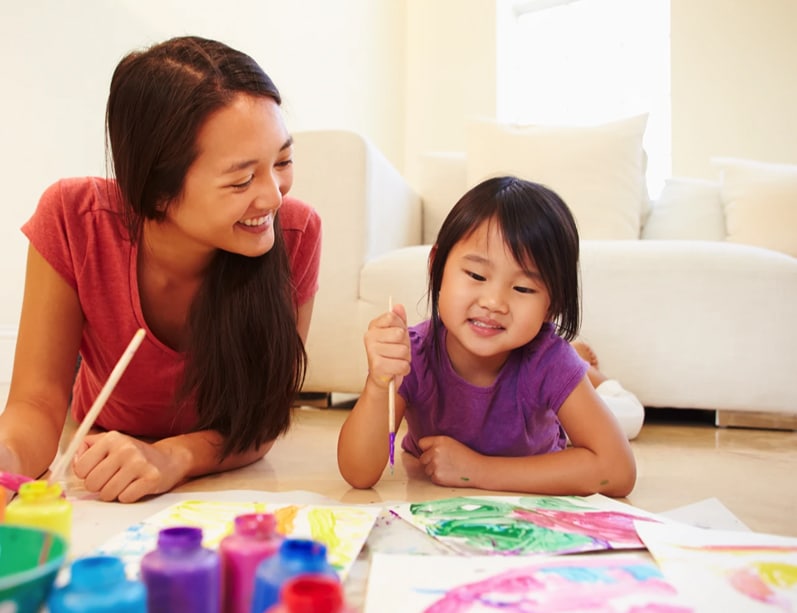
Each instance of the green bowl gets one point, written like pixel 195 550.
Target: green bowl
pixel 30 559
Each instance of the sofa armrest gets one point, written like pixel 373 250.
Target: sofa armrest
pixel 664 318
pixel 367 209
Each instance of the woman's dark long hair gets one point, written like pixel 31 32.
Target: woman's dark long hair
pixel 537 227
pixel 245 361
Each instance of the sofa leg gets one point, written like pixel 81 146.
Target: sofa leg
pixel 752 419
pixel 320 400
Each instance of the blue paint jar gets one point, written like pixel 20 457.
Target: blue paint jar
pixel 295 557
pixel 98 584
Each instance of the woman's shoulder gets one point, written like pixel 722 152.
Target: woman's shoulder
pixel 296 214
pixel 76 196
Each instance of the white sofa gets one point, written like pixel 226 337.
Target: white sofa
pixel 680 316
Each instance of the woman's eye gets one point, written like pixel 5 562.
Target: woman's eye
pixel 245 184
pixel 285 163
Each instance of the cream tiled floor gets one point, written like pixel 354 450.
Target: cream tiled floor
pixel 752 472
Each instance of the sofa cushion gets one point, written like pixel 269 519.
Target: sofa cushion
pixel 598 170
pixel 687 209
pixel 760 202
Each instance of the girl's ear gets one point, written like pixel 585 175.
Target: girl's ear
pixel 430 261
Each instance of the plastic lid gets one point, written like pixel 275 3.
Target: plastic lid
pixel 180 538
pixel 303 549
pixel 256 524
pixel 312 594
pixel 39 490
pixel 97 572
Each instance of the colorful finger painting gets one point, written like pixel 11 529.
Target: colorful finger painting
pixel 527 525
pixel 721 570
pixel 615 582
pixel 343 529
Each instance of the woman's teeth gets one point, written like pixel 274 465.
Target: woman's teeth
pixel 256 221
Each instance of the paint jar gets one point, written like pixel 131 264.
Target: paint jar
pixel 180 574
pixel 41 505
pixel 254 538
pixel 98 584
pixel 295 557
pixel 316 593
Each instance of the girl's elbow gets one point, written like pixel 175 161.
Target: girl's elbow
pixel 622 484
pixel 358 481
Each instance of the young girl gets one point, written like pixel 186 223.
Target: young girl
pixel 490 387
pixel 194 240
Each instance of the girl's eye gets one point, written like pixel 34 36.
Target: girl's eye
pixel 524 290
pixel 245 184
pixel 475 276
pixel 285 163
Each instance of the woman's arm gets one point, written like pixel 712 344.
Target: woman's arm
pixel 48 340
pixel 599 460
pixel 303 316
pixel 363 443
pixel 124 468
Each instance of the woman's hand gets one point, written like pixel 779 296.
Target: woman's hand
pixel 448 462
pixel 123 468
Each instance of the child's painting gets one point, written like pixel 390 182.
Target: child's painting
pixel 721 570
pixel 343 529
pixel 615 582
pixel 528 525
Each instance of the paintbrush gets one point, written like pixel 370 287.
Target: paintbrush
pixel 391 407
pixel 58 470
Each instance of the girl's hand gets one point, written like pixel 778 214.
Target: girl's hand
pixel 387 345
pixel 448 462
pixel 123 468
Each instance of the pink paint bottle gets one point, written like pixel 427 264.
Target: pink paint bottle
pixel 254 538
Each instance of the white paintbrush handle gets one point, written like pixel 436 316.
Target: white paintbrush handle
pixel 59 469
pixel 391 390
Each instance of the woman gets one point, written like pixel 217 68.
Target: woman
pixel 195 241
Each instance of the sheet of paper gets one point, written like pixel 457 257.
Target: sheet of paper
pixel 723 570
pixel 523 525
pixel 607 582
pixel 708 513
pixel 343 529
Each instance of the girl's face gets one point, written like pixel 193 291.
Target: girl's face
pixel 235 186
pixel 488 304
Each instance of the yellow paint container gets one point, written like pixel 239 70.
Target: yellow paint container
pixel 39 504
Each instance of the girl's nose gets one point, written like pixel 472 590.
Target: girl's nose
pixel 493 299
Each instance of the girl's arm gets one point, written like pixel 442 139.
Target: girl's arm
pixel 599 459
pixel 363 443
pixel 45 358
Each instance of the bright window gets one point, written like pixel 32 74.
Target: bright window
pixel 588 61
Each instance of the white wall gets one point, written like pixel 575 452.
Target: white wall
pixel 734 82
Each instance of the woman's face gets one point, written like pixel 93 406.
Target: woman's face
pixel 235 186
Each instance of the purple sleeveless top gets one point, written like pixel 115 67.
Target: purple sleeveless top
pixel 515 416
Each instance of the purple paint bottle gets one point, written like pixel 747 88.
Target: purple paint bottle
pixel 254 538
pixel 180 574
